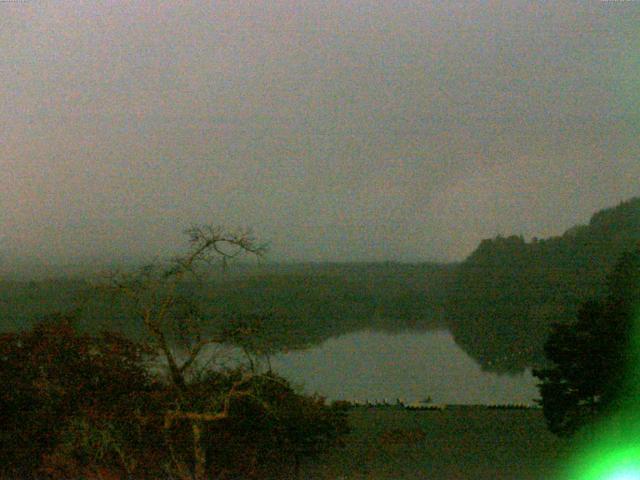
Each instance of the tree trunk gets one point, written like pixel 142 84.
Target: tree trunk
pixel 199 455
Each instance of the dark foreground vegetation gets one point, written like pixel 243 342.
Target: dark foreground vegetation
pixel 78 406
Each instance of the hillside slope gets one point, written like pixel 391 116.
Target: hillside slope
pixel 508 292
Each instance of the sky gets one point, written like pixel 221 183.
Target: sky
pixel 337 130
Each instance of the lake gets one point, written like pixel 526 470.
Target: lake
pixel 374 366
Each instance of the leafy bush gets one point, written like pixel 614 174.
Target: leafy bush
pixel 80 406
pixel 53 375
pixel 267 430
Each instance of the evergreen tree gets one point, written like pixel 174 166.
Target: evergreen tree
pixel 595 362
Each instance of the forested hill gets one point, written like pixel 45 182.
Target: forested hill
pixel 508 292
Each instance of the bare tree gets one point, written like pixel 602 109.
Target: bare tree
pixel 175 324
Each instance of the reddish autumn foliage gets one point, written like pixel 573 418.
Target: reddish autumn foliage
pixel 80 406
pixel 270 431
pixel 56 380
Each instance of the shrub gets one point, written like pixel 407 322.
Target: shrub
pixel 54 380
pixel 269 428
pixel 81 406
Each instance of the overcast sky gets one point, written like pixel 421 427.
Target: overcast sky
pixel 338 130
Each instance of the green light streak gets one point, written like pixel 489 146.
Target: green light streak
pixel 608 462
pixel 632 474
pixel 611 451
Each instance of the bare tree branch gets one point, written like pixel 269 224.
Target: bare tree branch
pixel 163 311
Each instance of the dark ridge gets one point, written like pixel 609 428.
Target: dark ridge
pixel 508 292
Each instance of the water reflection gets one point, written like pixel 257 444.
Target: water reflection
pixel 372 365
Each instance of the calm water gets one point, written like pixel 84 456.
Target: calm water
pixel 373 366
pixel 378 366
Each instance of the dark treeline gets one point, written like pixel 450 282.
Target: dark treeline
pixel 305 304
pixel 499 303
pixel 508 293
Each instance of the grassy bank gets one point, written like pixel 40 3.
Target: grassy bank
pixel 456 443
